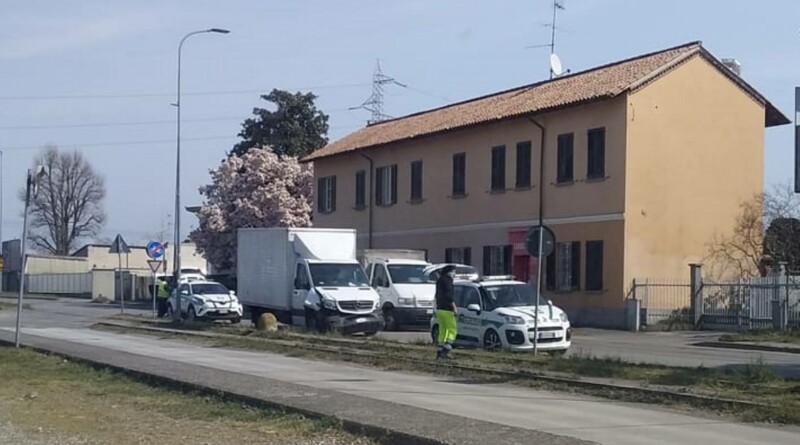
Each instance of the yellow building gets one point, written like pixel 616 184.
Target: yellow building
pixel 634 165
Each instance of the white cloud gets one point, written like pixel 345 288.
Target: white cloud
pixel 29 36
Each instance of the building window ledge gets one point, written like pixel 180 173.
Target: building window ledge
pixel 523 188
pixel 325 212
pixel 360 208
pixel 391 204
pixel 416 201
pixel 496 191
pixel 564 183
pixel 597 179
pixel 459 196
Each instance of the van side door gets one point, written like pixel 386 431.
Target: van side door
pixel 301 287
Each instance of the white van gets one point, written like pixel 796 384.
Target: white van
pixel 406 291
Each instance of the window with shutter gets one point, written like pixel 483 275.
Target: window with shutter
pixel 326 194
pixel 594 265
pixel 499 168
pixel 565 158
pixel 523 164
pixel 596 155
pixel 416 181
pixel 386 185
pixel 361 188
pixel 459 174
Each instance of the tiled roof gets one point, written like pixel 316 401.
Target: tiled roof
pixel 599 83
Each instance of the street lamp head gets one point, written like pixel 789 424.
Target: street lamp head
pixel 219 30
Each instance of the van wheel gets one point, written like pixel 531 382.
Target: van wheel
pixel 491 341
pixel 435 334
pixel 390 322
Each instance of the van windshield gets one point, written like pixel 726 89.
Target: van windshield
pixel 409 274
pixel 338 275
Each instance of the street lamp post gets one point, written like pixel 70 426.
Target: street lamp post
pixel 31 187
pixel 177 246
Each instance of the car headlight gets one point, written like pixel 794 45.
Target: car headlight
pixel 328 304
pixel 564 317
pixel 405 301
pixel 513 319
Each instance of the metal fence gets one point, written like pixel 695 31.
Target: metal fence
pixel 762 302
pixel 663 300
pixel 62 284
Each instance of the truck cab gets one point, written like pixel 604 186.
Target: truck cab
pixel 336 295
pixel 406 292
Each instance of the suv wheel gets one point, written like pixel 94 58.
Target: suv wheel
pixel 192 315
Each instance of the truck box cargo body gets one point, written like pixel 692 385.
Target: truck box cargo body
pixel 306 276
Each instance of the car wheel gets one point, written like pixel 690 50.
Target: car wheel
pixel 435 334
pixel 491 341
pixel 192 315
pixel 236 320
pixel 390 322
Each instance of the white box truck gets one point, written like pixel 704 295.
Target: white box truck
pixel 306 276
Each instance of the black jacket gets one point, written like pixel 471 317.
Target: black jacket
pixel 444 293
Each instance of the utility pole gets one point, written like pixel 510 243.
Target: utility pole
pixel 374 102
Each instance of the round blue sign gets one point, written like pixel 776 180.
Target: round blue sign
pixel 155 250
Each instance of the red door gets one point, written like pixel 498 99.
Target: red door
pixel 522 267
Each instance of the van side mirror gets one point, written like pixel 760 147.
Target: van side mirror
pixel 474 308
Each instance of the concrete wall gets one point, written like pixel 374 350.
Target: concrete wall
pixel 43 264
pixel 695 152
pixel 98 257
pixel 103 284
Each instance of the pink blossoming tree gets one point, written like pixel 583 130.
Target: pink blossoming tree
pixel 257 189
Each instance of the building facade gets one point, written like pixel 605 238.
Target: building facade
pixel 635 166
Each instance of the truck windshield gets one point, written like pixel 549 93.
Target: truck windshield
pixel 338 275
pixel 510 295
pixel 409 274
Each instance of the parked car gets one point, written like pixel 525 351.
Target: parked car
pixel 499 314
pixel 192 274
pixel 206 300
pixel 406 291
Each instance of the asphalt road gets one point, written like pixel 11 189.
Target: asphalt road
pixel 598 420
pixel 665 348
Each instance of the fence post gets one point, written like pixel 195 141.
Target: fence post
pixel 633 310
pixel 696 280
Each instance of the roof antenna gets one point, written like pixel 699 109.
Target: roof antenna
pixel 556 69
pixel 374 102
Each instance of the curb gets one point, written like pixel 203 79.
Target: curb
pixel 747 347
pixel 381 434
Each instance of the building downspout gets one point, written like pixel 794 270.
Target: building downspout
pixel 541 169
pixel 369 196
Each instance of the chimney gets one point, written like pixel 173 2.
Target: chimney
pixel 733 65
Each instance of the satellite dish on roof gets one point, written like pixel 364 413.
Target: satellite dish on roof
pixel 555 64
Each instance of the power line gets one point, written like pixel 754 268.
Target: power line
pixel 116 124
pixel 131 143
pixel 149 94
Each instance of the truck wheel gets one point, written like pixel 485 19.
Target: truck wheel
pixel 311 320
pixel 390 322
pixel 255 314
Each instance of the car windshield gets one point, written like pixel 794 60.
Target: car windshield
pixel 209 289
pixel 409 274
pixel 510 295
pixel 338 275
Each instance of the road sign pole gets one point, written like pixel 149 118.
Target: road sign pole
pixel 119 284
pixel 155 292
pixel 538 293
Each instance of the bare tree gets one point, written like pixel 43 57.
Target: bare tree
pixel 760 235
pixel 69 204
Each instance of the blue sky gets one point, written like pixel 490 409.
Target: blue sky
pixel 100 76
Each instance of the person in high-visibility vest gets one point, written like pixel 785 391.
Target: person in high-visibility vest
pixel 446 312
pixel 162 295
